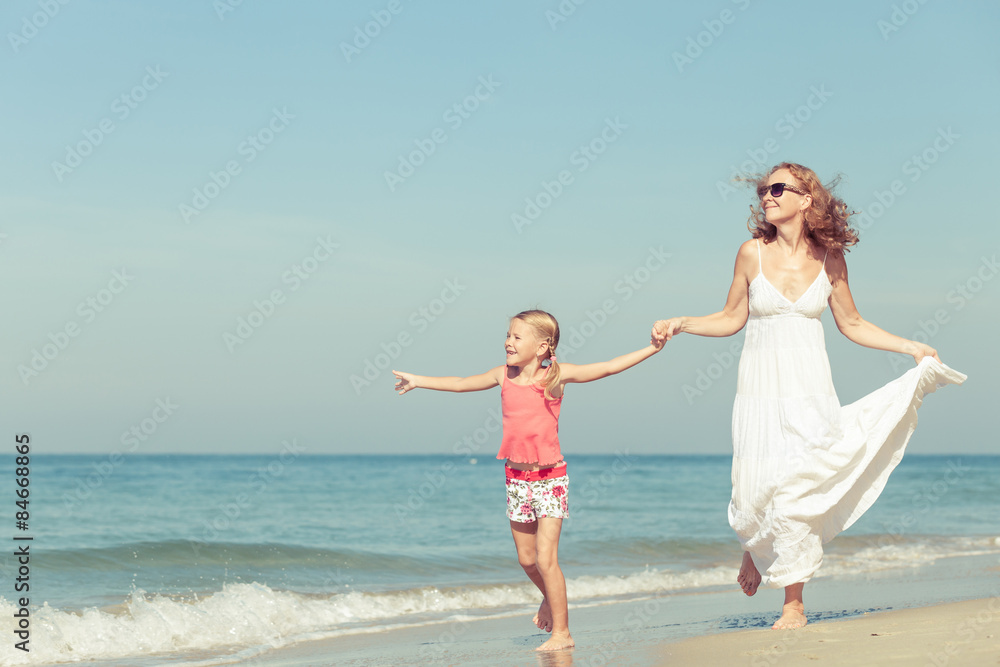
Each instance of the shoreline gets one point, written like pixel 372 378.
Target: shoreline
pixel 926 611
pixel 963 633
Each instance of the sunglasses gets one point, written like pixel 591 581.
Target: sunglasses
pixel 777 189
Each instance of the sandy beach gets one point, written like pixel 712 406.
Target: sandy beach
pixel 960 633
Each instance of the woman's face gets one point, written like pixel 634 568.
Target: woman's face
pixel 788 205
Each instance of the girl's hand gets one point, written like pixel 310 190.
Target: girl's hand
pixel 666 329
pixel 659 335
pixel 920 350
pixel 405 382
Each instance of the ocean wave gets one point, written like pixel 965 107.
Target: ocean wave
pixel 174 552
pixel 875 553
pixel 636 552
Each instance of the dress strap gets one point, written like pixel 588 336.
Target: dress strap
pixel 824 258
pixel 760 267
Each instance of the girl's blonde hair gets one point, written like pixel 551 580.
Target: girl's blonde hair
pixel 825 220
pixel 547 329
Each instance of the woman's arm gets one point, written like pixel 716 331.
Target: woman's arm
pixel 590 372
pixel 858 329
pixel 734 314
pixel 407 381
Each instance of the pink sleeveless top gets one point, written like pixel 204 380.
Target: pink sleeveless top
pixel 530 424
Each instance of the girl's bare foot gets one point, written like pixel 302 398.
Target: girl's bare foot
pixel 558 641
pixel 749 578
pixel 543 619
pixel 793 615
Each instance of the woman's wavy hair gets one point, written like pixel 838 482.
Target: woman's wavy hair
pixel 547 329
pixel 825 223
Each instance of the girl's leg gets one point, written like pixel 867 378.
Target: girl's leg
pixel 547 563
pixel 527 555
pixel 793 613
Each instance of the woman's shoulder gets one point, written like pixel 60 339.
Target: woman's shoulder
pixel 834 258
pixel 748 253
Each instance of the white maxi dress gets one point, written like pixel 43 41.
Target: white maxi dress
pixel 805 468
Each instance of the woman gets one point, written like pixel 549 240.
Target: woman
pixel 804 468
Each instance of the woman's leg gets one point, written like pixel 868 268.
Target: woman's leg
pixel 793 613
pixel 547 542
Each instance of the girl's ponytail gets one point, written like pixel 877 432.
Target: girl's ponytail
pixel 552 376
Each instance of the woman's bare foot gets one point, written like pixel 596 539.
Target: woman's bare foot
pixel 749 578
pixel 558 641
pixel 543 619
pixel 793 615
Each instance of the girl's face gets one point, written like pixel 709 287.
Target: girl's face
pixel 787 205
pixel 522 344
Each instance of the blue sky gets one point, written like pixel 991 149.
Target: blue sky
pixel 216 214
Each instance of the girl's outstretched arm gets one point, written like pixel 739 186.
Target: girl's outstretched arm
pixel 407 381
pixel 857 328
pixel 590 372
pixel 734 314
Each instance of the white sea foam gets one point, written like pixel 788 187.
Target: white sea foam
pixel 254 616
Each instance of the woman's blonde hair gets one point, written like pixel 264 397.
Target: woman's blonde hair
pixel 825 220
pixel 547 329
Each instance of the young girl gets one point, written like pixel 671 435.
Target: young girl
pixel 537 483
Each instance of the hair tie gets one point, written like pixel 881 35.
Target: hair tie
pixel 552 358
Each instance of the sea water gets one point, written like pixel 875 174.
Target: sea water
pixel 151 560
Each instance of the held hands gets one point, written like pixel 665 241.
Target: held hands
pixel 405 382
pixel 657 343
pixel 664 330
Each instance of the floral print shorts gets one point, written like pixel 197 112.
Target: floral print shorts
pixel 528 501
